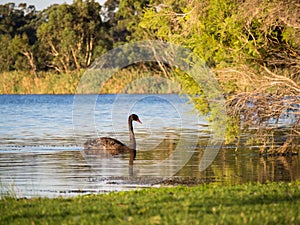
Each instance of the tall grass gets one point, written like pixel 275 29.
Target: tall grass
pixel 18 82
pixel 137 81
pixel 7 191
pixel 123 81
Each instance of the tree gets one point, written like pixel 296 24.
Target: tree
pixel 253 49
pixel 19 46
pixel 70 33
pixel 5 56
pixel 125 20
pixel 17 37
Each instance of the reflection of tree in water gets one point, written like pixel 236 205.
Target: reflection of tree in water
pixel 279 168
pixel 230 166
pixel 161 151
pixel 244 166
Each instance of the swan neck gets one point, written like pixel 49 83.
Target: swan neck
pixel 131 134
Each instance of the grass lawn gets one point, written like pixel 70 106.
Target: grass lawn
pixel 271 203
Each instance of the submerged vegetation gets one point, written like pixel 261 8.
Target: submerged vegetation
pixel 271 203
pixel 252 47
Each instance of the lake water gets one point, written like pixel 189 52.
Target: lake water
pixel 41 153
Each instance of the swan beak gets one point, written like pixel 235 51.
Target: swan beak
pixel 138 120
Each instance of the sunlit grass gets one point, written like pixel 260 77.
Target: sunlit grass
pixel 272 203
pixel 123 81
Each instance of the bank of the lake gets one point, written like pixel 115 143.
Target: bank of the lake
pixel 252 203
pixel 123 81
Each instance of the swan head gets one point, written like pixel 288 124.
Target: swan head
pixel 134 117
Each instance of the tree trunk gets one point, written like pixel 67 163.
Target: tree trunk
pixel 30 59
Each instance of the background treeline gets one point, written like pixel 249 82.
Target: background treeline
pixel 48 51
pixel 61 38
pixel 253 48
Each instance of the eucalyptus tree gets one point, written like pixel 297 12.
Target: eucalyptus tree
pixel 71 34
pixel 125 19
pixel 17 35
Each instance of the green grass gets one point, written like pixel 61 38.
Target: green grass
pixel 272 203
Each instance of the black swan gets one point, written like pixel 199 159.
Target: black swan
pixel 113 146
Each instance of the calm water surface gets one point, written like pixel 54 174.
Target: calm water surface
pixel 41 152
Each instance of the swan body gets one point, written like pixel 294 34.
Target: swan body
pixel 113 146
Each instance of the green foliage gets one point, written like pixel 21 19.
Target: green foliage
pixel 233 130
pixel 63 37
pixel 5 56
pixel 271 203
pixel 249 46
pixel 17 37
pixel 70 33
